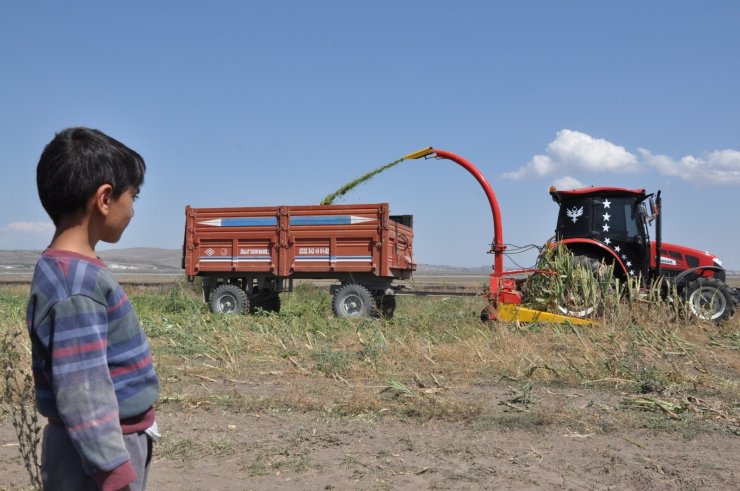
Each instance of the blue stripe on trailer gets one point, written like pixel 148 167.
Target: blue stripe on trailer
pixel 222 259
pixel 334 258
pixel 328 220
pixel 241 222
pixel 272 221
pixel 249 222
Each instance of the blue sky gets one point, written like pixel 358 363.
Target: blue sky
pixel 238 103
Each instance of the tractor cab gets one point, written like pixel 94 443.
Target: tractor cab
pixel 610 224
pixel 606 223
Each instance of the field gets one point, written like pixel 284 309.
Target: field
pixel 432 399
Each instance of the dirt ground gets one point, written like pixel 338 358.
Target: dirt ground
pixel 564 439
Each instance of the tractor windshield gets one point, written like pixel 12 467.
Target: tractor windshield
pixel 618 217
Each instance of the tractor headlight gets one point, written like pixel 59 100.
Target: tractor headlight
pixel 717 262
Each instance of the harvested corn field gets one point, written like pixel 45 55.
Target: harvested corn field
pixel 430 399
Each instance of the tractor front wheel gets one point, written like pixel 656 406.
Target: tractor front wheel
pixel 579 301
pixel 709 299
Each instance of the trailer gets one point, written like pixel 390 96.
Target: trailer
pixel 247 256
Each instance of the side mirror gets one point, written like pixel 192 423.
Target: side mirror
pixel 654 210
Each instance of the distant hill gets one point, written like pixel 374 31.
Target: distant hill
pixel 441 270
pixel 138 260
pixel 11 260
pixel 143 258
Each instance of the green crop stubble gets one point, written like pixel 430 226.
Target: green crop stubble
pixel 203 358
pixel 352 184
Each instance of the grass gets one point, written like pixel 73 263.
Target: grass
pixel 417 364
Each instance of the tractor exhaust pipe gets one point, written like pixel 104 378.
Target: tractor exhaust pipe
pixel 658 232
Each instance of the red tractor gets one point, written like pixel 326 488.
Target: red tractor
pixel 610 225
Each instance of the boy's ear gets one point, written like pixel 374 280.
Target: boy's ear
pixel 102 198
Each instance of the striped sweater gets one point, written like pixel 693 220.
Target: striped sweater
pixel 92 366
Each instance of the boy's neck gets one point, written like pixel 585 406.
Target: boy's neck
pixel 73 234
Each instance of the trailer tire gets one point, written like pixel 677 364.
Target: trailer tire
pixel 387 306
pixel 353 301
pixel 228 299
pixel 268 303
pixel 709 299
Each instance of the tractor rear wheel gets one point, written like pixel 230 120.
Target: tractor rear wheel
pixel 709 299
pixel 228 299
pixel 353 300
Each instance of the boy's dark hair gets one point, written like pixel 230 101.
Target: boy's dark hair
pixel 77 162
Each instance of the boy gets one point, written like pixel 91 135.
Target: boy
pixel 92 367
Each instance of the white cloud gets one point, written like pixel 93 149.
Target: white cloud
pixel 574 152
pixel 717 167
pixel 540 166
pixel 26 235
pixel 567 182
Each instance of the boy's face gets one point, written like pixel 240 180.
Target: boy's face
pixel 120 212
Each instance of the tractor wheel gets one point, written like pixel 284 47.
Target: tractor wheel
pixel 228 299
pixel 353 300
pixel 709 299
pixel 387 306
pixel 573 303
pixel 269 302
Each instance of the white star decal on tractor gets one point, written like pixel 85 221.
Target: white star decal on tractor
pixel 607 203
pixel 607 217
pixel 629 264
pixel 632 272
pixel 607 241
pixel 617 249
pixel 624 257
pixel 605 227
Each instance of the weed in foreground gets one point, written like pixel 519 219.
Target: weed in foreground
pixel 18 402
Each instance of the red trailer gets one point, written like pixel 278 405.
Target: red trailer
pixel 248 256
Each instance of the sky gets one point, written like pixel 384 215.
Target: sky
pixel 263 103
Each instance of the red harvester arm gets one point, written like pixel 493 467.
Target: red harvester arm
pixel 503 290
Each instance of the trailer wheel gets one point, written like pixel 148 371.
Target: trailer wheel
pixel 269 302
pixel 228 299
pixel 387 306
pixel 353 301
pixel 709 299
